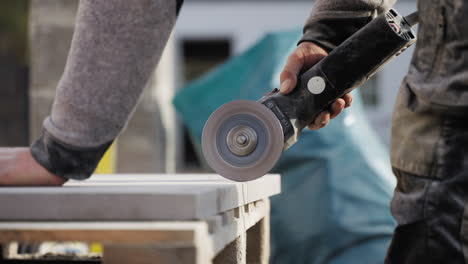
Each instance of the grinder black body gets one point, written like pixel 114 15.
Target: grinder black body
pixel 242 140
pixel 344 69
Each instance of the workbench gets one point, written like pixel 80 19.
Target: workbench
pixel 142 219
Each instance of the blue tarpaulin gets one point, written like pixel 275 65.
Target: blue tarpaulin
pixel 336 182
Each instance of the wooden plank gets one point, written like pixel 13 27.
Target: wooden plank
pixel 150 254
pixel 134 197
pixel 105 232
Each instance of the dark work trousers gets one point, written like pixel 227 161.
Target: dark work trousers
pixel 432 219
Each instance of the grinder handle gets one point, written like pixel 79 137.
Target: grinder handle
pixel 345 68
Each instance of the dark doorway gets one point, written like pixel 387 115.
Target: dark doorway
pixel 14 81
pixel 199 57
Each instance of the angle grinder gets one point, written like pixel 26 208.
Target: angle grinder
pixel 242 140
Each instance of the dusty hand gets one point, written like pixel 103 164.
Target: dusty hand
pixel 304 57
pixel 19 168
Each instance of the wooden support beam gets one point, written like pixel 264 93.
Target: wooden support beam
pixel 150 254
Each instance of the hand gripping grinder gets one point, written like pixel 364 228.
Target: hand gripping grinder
pixel 242 140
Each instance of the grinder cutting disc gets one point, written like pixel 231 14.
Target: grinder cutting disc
pixel 242 140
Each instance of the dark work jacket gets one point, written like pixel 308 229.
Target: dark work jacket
pixel 430 121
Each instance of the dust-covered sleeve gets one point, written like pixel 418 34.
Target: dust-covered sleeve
pixel 333 21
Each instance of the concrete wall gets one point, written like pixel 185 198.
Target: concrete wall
pixel 141 146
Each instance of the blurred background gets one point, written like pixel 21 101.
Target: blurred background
pixel 35 37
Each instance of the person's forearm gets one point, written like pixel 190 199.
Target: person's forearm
pixel 333 21
pixel 115 48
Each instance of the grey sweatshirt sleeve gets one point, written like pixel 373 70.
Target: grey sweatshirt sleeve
pixel 116 46
pixel 333 21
